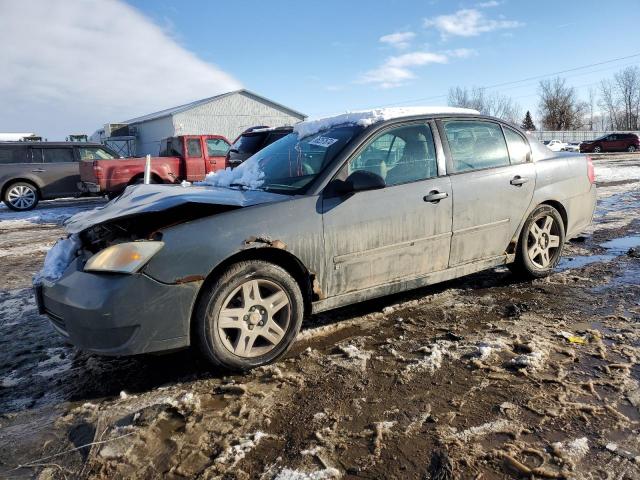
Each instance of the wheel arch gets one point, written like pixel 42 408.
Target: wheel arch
pixel 277 256
pixel 561 210
pixel 157 178
pixel 511 248
pixel 11 181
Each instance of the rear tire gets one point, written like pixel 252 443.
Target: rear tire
pixel 540 244
pixel 21 196
pixel 263 308
pixel 631 149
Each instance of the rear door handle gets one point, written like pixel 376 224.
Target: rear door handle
pixel 518 181
pixel 435 196
pixel 38 170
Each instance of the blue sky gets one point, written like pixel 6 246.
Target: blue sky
pixel 90 62
pixel 312 56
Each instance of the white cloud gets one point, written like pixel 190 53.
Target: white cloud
pixel 468 22
pixel 489 4
pixel 398 40
pixel 69 67
pixel 396 71
pixel 462 52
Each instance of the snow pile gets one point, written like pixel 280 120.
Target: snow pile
pixel 529 361
pixel 235 453
pixel 574 450
pixel 617 173
pixel 433 359
pixel 484 349
pixel 58 259
pixel 355 357
pixel 248 175
pixel 325 474
pixel 364 118
pixel 498 426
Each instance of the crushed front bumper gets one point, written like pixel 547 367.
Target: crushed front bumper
pixel 117 314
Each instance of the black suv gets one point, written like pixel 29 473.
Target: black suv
pixel 34 171
pixel 253 140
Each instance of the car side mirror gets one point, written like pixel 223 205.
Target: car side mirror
pixel 359 181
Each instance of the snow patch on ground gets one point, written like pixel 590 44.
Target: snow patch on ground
pixel 529 361
pixel 364 118
pixel 616 173
pixel 574 450
pixel 433 359
pixel 325 474
pixel 235 453
pixel 498 426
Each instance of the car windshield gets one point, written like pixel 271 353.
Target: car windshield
pixel 288 165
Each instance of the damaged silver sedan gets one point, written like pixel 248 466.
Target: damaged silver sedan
pixel 341 210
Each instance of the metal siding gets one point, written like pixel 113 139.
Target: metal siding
pixel 229 116
pixel 150 133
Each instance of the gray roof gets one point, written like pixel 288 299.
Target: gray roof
pixel 181 108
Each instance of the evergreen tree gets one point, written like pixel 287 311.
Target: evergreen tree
pixel 527 123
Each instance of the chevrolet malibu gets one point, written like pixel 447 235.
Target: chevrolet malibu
pixel 341 210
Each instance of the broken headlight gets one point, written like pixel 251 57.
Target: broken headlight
pixel 126 257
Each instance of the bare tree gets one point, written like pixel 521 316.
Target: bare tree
pixel 609 103
pixel 559 106
pixel 494 104
pixel 627 83
pixel 593 98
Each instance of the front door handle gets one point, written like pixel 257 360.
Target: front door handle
pixel 518 181
pixel 38 170
pixel 435 196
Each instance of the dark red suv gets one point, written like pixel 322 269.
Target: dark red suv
pixel 614 142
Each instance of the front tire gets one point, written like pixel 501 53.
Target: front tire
pixel 597 149
pixel 249 316
pixel 540 245
pixel 21 196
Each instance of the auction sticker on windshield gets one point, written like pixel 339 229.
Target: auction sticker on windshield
pixel 323 141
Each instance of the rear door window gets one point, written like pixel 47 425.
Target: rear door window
pixel 518 147
pixel 217 147
pixel 10 155
pixel 194 149
pixel 35 155
pixel 94 153
pixel 58 155
pixel 475 145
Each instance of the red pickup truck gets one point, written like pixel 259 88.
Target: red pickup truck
pixel 187 157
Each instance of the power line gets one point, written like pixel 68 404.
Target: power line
pixel 513 82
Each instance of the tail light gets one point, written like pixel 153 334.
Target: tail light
pixel 590 171
pixel 97 169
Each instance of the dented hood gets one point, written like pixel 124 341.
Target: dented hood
pixel 138 199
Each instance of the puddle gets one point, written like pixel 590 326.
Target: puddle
pixel 615 248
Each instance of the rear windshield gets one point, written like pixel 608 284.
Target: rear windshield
pixel 249 143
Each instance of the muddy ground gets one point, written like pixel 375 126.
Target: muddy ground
pixel 485 377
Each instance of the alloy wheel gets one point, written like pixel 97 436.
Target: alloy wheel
pixel 631 149
pixel 21 197
pixel 254 318
pixel 543 241
pixel 597 150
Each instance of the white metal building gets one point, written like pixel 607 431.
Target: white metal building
pixel 227 114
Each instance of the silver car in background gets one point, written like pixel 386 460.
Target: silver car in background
pixel 342 210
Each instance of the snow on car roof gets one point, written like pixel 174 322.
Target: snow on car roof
pixel 365 118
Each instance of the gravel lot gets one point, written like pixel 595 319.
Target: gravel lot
pixel 482 377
